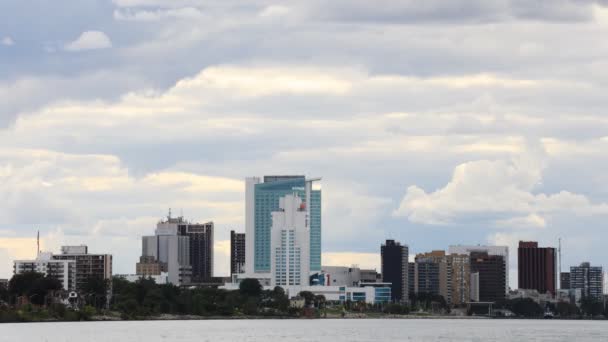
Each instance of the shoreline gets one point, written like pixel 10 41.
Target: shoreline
pixel 353 317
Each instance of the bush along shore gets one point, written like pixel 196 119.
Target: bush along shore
pixel 32 297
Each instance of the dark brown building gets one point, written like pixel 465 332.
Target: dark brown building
pixel 201 249
pixel 237 252
pixel 536 267
pixel 492 276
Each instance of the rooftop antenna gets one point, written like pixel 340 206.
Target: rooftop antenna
pixel 169 217
pixel 38 244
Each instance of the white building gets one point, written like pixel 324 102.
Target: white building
pixel 160 279
pixel 491 250
pixel 62 270
pixel 372 294
pixel 342 275
pixel 290 243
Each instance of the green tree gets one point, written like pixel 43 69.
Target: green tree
pixel 95 290
pixel 309 297
pixel 250 287
pixel 34 285
pixel 591 307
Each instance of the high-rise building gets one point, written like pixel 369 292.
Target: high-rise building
pixel 88 266
pixel 445 275
pixel 488 281
pixel 237 252
pixel 169 248
pixel 474 287
pixel 201 248
pixel 62 270
pixel 564 281
pixel 536 267
pixel 395 269
pixel 461 278
pixel 430 273
pixel 290 243
pixel 261 200
pixel 589 279
pixel 491 250
pixel 411 276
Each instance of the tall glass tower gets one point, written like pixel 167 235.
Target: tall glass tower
pixel 262 198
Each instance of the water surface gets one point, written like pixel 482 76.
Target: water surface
pixel 309 330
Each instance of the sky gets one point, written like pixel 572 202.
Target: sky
pixel 433 123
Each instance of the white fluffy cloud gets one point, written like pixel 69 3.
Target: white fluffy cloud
pixel 7 41
pixel 90 40
pixel 502 192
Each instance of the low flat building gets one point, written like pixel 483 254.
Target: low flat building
pixel 370 276
pixel 370 293
pixel 342 275
pixel 159 279
pixel 149 266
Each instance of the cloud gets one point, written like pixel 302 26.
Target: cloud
pixel 128 14
pixel 501 192
pixel 274 11
pixel 7 41
pixel 90 40
pixel 437 11
pixel 362 260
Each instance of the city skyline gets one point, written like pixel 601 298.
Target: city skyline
pixel 468 123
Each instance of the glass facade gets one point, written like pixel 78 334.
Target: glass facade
pixel 382 294
pixel 358 297
pixel 267 197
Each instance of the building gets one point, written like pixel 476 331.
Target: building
pixel 564 281
pixel 62 270
pixel 394 259
pixel 4 283
pixel 170 250
pixel 290 243
pixel 461 278
pixel 149 266
pixel 344 276
pixel 488 280
pixel 370 276
pixel 441 274
pixel 201 248
pixel 589 279
pixel 491 250
pixel 88 266
pixel 411 276
pixel 536 267
pixel 474 287
pixel 374 293
pixel 160 279
pixel 261 200
pixel 430 274
pixel 237 253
